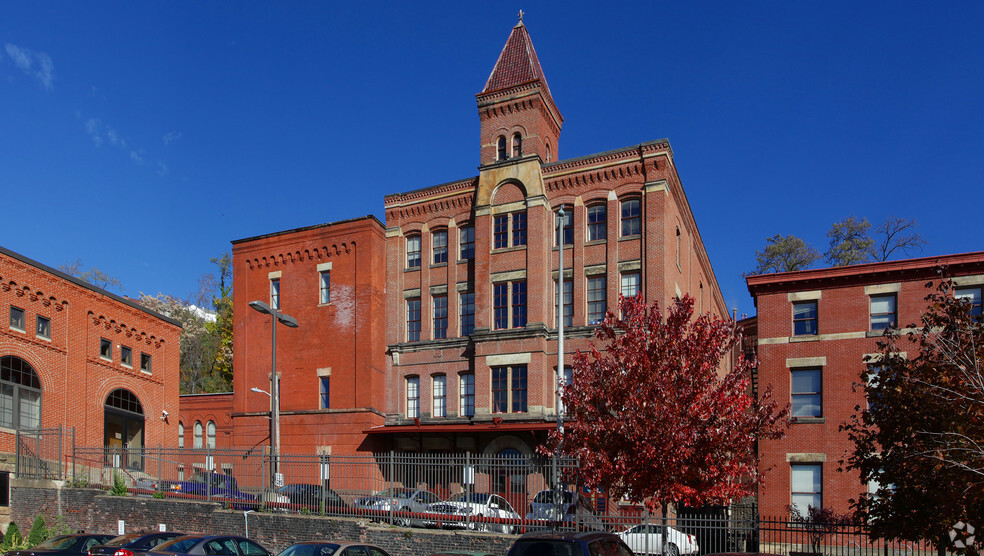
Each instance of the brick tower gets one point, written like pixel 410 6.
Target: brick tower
pixel 518 114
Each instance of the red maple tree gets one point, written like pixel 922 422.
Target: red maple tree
pixel 651 419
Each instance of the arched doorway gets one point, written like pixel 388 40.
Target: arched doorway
pixel 123 428
pixel 20 394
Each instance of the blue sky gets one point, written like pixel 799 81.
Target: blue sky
pixel 142 137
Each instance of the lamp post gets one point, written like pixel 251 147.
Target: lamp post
pixel 274 393
pixel 558 400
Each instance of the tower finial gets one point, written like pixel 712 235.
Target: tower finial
pixel 520 17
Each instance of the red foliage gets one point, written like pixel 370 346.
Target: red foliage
pixel 651 418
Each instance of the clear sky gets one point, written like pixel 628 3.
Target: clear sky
pixel 142 137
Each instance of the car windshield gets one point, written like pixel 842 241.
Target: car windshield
pixel 197 478
pixel 474 498
pixel 395 493
pixel 123 539
pixel 177 545
pixel 58 543
pixel 546 497
pixel 540 547
pixel 323 549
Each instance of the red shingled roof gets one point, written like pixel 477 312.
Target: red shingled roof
pixel 517 63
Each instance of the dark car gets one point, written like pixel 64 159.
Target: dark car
pixel 557 543
pixel 312 497
pixel 64 544
pixel 202 545
pixel 132 544
pixel 333 549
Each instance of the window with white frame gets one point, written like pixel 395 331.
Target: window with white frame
pixel 597 222
pixel 467 243
pixel 210 435
pixel 325 287
pixel 181 435
pixel 805 318
pixel 275 293
pixel 509 389
pixel 413 397
pixel 568 303
pixel 806 486
pixel 466 393
pixel 509 305
pixel 631 217
pixel 806 394
pixel 597 299
pixel 199 434
pixel 20 394
pixel 883 311
pixel 467 306
pixel 631 284
pixel 439 246
pixel 440 407
pixel 413 251
pixel 972 296
pixel 440 317
pixel 413 320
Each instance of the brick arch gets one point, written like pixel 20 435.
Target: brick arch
pixel 40 366
pixel 629 190
pixel 508 191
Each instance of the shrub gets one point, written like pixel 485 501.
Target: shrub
pixel 39 531
pixel 119 485
pixel 12 537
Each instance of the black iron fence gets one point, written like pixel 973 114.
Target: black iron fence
pixel 44 453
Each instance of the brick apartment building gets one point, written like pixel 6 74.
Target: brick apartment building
pixel 331 367
pixel 75 356
pixel 815 328
pixel 472 269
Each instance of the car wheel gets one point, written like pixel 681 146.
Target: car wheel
pixel 672 550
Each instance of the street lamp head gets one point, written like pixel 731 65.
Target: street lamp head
pixel 259 390
pixel 287 320
pixel 261 307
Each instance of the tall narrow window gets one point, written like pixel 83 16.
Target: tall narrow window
pixel 597 299
pixel 519 304
pixel 519 228
pixel 500 306
pixel 806 486
pixel 806 393
pixel 500 231
pixel 198 435
pixel 440 317
pixel 549 154
pixel 44 327
pixel 325 296
pixel 413 251
pixel 467 394
pixel 568 303
pixel 519 389
pixel 467 313
pixel 631 217
pixel 17 318
pixel 631 284
pixel 181 435
pixel 500 148
pixel 440 396
pixel 517 145
pixel 440 247
pixel 413 320
pixel 105 349
pixel 565 231
pixel 805 318
pixel 413 397
pixel 467 243
pixel 971 296
pixel 678 247
pixel 882 311
pixel 500 389
pixel 126 356
pixel 325 392
pixel 509 389
pixel 210 435
pixel 597 222
pixel 275 293
pixel 145 362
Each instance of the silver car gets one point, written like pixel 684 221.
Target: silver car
pixel 476 510
pixel 403 500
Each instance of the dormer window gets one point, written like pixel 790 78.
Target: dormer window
pixel 501 148
pixel 517 145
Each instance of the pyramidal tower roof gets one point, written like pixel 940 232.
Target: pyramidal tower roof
pixel 517 64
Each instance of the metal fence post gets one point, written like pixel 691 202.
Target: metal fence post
pixel 392 474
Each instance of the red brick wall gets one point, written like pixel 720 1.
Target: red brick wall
pixel 75 379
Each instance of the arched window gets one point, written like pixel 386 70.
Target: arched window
pixel 517 144
pixel 198 435
pixel 548 151
pixel 20 394
pixel 181 435
pixel 123 428
pixel 210 435
pixel 501 148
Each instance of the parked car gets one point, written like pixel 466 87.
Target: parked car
pixel 132 544
pixel 558 543
pixel 312 497
pixel 201 483
pixel 575 508
pixel 211 545
pixel 333 549
pixel 470 509
pixel 67 545
pixel 460 553
pixel 677 542
pixel 398 500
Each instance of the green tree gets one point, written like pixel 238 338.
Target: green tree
pixel 918 439
pixel 12 537
pixel 39 531
pixel 849 242
pixel 784 254
pixel 198 345
pixel 222 327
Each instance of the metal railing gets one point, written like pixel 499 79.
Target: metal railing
pixel 44 453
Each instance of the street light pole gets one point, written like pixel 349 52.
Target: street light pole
pixel 291 322
pixel 558 400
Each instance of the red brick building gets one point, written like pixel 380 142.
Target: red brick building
pixel 332 366
pixel 815 328
pixel 75 356
pixel 472 268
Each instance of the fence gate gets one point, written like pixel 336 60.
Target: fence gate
pixel 41 453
